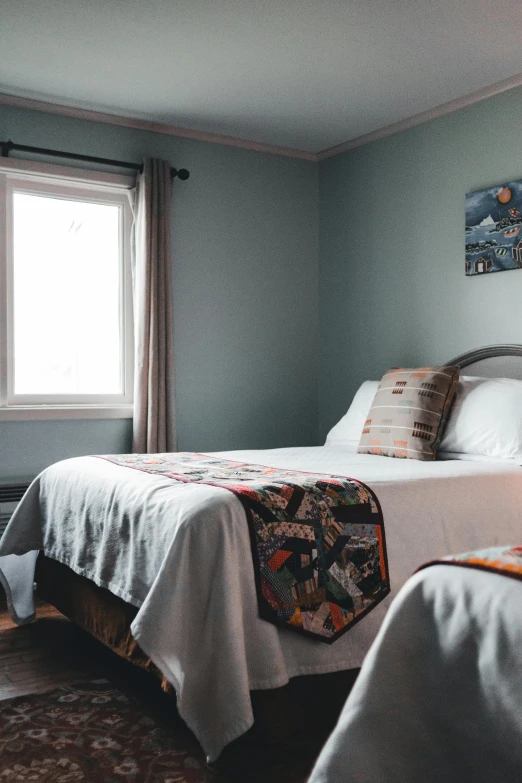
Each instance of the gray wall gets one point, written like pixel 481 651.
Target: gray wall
pixel 26 447
pixel 392 284
pixel 245 247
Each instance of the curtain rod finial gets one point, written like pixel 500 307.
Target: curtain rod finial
pixel 182 174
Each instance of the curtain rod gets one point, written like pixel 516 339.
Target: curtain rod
pixel 9 146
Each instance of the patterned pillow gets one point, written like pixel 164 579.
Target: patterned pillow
pixel 408 413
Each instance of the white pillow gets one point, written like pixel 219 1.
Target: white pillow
pixel 485 420
pixel 347 431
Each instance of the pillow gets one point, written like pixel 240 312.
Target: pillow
pixel 347 431
pixel 486 420
pixel 408 414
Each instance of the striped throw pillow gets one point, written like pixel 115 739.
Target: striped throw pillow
pixel 409 412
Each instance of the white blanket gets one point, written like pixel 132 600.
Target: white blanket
pixel 181 553
pixel 439 696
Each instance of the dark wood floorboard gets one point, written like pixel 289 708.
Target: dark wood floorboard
pixel 52 652
pixel 40 656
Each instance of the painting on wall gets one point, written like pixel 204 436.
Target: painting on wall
pixel 494 229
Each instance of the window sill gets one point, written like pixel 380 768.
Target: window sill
pixel 46 412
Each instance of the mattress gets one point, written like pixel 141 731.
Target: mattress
pixel 438 697
pixel 180 553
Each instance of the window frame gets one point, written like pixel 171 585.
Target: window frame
pixel 63 182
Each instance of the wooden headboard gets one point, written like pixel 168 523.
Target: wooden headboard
pixel 492 361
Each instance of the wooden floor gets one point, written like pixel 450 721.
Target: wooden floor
pixel 51 652
pixel 39 656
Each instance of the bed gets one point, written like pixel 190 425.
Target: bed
pixel 438 698
pixel 169 601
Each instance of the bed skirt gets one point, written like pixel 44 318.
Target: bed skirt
pixel 108 618
pixel 95 609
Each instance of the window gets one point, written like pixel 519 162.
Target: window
pixel 65 296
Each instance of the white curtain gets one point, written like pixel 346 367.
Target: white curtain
pixel 154 427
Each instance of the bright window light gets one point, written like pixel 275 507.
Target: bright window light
pixel 67 282
pixel 66 311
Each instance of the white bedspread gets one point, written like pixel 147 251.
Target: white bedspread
pixel 181 553
pixel 439 697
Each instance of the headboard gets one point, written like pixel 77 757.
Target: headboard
pixel 492 361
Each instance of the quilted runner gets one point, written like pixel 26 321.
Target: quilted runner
pixel 506 560
pixel 318 542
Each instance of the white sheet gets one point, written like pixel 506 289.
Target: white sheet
pixel 181 553
pixel 439 696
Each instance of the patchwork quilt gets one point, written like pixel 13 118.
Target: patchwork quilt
pixel 506 560
pixel 318 542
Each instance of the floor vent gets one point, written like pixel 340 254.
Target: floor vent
pixel 11 493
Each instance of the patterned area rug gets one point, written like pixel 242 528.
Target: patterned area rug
pixel 89 733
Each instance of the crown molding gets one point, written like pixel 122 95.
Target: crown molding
pixel 449 107
pixel 35 104
pixel 424 116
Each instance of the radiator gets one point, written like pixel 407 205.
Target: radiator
pixel 11 493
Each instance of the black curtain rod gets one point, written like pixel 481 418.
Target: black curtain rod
pixel 9 146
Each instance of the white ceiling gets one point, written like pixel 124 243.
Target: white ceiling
pixel 297 73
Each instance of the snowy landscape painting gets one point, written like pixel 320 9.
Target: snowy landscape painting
pixel 493 229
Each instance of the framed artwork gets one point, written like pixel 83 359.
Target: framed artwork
pixel 494 229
